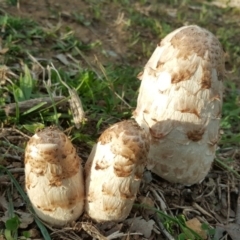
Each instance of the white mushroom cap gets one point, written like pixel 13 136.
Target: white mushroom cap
pixel 180 99
pixel 114 170
pixel 54 177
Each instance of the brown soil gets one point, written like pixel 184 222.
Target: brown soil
pixel 108 32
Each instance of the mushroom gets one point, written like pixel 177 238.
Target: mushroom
pixel 180 99
pixel 114 170
pixel 54 177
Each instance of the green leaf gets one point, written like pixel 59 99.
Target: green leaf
pixel 8 234
pixel 18 94
pixel 188 234
pixel 12 224
pixel 206 227
pixel 26 234
pixel 26 83
pixel 33 127
pixel 182 236
pixel 99 124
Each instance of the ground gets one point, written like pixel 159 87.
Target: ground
pixel 98 48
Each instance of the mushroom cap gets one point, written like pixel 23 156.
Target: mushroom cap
pixel 54 177
pixel 114 170
pixel 180 99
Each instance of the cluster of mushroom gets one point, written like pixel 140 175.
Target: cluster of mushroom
pixel 174 132
pixel 54 176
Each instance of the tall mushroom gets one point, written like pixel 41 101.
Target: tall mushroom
pixel 180 99
pixel 54 177
pixel 114 170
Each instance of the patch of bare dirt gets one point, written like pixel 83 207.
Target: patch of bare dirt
pixel 107 32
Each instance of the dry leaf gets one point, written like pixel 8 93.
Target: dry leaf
pixel 76 108
pixel 139 224
pixel 147 201
pixel 62 58
pixel 3 203
pixel 196 226
pixel 34 233
pixel 75 103
pixel 92 231
pixel 25 219
pixel 4 50
pixel 2 237
pixel 233 229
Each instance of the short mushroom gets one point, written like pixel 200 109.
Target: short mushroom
pixel 54 177
pixel 180 99
pixel 114 170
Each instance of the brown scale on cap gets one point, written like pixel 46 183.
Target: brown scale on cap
pixel 193 40
pixel 101 165
pixel 181 75
pixel 195 135
pixel 123 169
pixel 205 45
pixel 61 153
pixel 189 110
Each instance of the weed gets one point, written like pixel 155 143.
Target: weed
pixel 12 224
pixel 170 223
pixel 231 116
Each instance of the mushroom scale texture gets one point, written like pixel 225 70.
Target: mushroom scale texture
pixel 54 177
pixel 114 171
pixel 180 98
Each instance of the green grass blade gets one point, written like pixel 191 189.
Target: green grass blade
pixel 34 108
pixel 25 198
pixel 225 166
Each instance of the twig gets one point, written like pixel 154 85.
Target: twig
pixel 6 155
pixel 118 234
pixel 195 205
pixel 162 203
pixel 23 106
pixel 238 207
pixel 20 132
pixel 219 188
pixel 186 209
pixel 228 202
pixel 16 170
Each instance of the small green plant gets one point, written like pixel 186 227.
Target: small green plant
pixel 12 224
pixel 231 116
pixel 12 2
pixel 176 223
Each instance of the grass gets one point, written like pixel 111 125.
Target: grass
pixel 13 223
pixel 107 90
